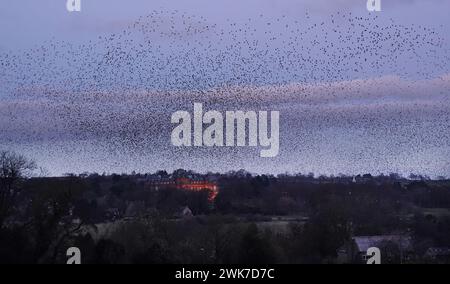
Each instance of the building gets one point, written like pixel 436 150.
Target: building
pixel 355 251
pixel 187 184
pixel 185 212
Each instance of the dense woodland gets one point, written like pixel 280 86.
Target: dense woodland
pixel 258 219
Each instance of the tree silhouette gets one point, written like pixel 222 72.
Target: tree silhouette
pixel 13 168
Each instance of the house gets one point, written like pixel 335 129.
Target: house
pixel 187 184
pixel 184 212
pixel 355 251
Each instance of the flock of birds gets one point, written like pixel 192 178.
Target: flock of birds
pixel 117 86
pixel 176 51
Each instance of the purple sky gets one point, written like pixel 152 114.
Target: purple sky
pixel 24 23
pixel 357 92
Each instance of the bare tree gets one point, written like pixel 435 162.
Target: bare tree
pixel 13 168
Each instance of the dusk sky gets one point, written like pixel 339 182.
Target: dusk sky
pixel 357 92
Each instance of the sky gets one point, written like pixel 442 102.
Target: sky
pixel 357 92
